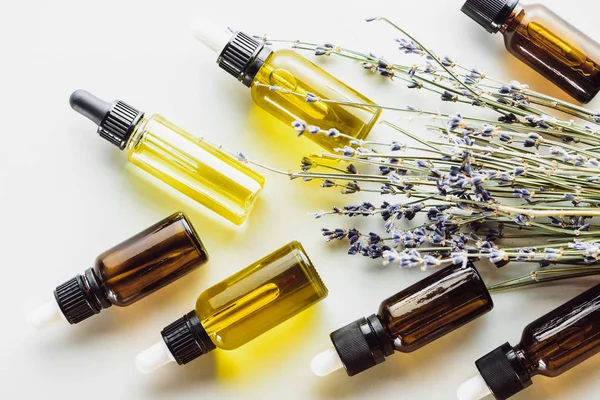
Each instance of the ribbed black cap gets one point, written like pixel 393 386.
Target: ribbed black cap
pixel 116 122
pixel 490 14
pixel 503 372
pixel 243 56
pixel 186 339
pixel 361 344
pixel 74 301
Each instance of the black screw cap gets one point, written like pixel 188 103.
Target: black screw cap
pixel 186 339
pixel 502 372
pixel 116 122
pixel 74 301
pixel 490 14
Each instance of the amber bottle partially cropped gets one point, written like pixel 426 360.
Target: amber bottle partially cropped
pixel 545 42
pixel 407 321
pixel 550 346
pixel 128 272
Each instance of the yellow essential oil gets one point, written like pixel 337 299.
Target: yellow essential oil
pixel 272 75
pixel 187 163
pixel 240 308
pixel 195 168
pixel 290 71
pixel 259 297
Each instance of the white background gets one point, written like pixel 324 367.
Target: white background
pixel 66 196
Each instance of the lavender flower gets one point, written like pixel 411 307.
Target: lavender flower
pixel 409 47
pixel 300 127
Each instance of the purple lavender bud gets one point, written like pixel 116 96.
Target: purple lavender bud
pixel 519 171
pixel 447 61
pixel 320 51
pixel 313 129
pixel 333 133
pixel 522 219
pixel 311 97
pixel 299 126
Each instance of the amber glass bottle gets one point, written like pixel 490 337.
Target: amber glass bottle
pixel 545 42
pixel 550 346
pixel 240 308
pixel 262 70
pixel 129 271
pixel 407 321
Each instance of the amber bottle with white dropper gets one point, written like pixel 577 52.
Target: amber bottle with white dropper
pixel 549 346
pixel 407 321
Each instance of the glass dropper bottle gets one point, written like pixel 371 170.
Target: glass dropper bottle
pixel 240 308
pixel 407 321
pixel 545 42
pixel 549 346
pixel 271 75
pixel 190 164
pixel 127 272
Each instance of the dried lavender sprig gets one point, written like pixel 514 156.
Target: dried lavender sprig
pixel 544 276
pixel 337 50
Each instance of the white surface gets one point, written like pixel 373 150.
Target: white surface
pixel 209 34
pixel 473 389
pixel 66 196
pixel 46 315
pixel 326 362
pixel 153 358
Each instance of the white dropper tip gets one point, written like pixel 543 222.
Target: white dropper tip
pixel 473 389
pixel 153 358
pixel 46 315
pixel 326 362
pixel 211 35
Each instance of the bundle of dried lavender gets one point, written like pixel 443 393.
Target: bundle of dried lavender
pixel 528 176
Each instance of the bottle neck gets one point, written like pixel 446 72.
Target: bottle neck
pixel 138 133
pixel 95 287
pixel 513 21
pixel 529 368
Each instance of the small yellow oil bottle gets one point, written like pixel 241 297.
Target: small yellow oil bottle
pixel 240 308
pixel 262 69
pixel 189 164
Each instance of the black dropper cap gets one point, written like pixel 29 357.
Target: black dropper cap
pixel 116 122
pixel 362 344
pixel 243 56
pixel 186 339
pixel 502 371
pixel 490 14
pixel 81 297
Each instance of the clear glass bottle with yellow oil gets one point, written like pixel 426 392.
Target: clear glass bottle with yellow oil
pixel 240 308
pixel 262 70
pixel 186 162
